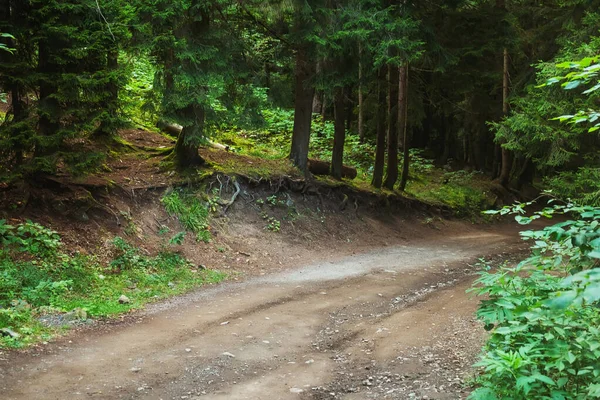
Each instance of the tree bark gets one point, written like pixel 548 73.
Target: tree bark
pixel 391 175
pixel 381 125
pixel 403 121
pixel 302 110
pixel 186 147
pixel 361 111
pixel 349 110
pixel 339 111
pixel 506 156
pixel 317 105
pixel 506 159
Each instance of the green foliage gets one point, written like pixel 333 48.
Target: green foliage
pixel 39 280
pixel 3 46
pixel 141 103
pixel 466 193
pixel 191 212
pixel 583 72
pixel 274 225
pixel 63 52
pixel 544 313
pixel 581 186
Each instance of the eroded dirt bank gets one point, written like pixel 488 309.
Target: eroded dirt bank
pixel 393 323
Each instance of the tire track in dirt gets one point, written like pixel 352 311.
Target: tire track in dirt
pixel 307 333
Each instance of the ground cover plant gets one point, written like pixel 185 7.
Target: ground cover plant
pixel 44 289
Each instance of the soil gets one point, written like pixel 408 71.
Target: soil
pixel 391 323
pixel 355 297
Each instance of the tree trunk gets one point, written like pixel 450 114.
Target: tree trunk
pixel 391 175
pixel 302 110
pixel 361 111
pixel 349 110
pixel 403 121
pixel 447 142
pixel 186 148
pixel 317 105
pixel 381 124
pixel 339 110
pixel 506 156
pixel 194 113
pixel 526 173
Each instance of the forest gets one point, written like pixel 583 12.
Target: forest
pixel 476 109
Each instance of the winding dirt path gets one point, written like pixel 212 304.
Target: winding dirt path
pixel 394 323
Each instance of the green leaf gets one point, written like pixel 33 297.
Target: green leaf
pixel 563 300
pixel 572 85
pixel 543 378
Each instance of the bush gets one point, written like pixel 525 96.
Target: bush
pixel 582 186
pixel 37 278
pixel 544 314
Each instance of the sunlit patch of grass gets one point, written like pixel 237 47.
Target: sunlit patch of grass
pixel 39 280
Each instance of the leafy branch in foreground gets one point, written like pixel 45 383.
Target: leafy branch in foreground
pixel 583 72
pixel 544 314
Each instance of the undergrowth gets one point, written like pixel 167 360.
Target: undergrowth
pixel 191 212
pixel 462 191
pixel 582 185
pixel 43 289
pixel 544 313
pixel 465 192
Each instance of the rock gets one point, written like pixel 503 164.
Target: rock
pixel 296 390
pixel 135 369
pixel 228 354
pixel 9 332
pixel 124 299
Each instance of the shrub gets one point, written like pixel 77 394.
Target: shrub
pixel 544 314
pixel 581 186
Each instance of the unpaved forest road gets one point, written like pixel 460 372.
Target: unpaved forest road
pixel 391 324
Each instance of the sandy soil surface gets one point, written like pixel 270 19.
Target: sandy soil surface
pixel 390 323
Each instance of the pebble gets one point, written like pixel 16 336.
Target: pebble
pixel 124 299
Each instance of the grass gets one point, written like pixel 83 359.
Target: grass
pixel 38 279
pixel 258 168
pixel 191 212
pixel 466 193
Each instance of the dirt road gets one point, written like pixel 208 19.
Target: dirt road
pixel 389 324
